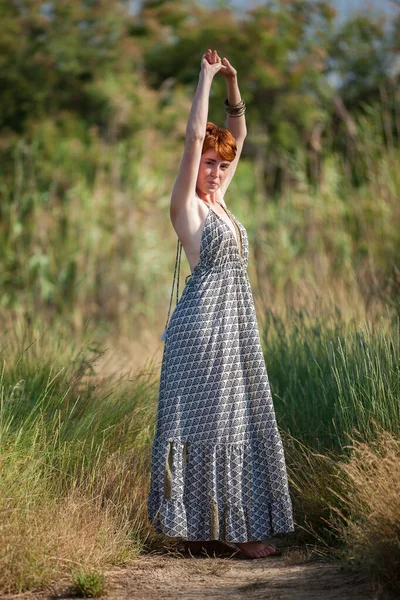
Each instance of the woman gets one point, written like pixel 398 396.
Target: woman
pixel 218 474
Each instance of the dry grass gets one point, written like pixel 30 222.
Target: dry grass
pixel 299 555
pixel 371 526
pixel 310 476
pixel 349 504
pixel 44 536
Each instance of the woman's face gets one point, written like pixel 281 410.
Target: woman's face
pixel 212 172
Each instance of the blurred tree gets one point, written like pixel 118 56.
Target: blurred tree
pixel 361 56
pixel 52 53
pixel 302 79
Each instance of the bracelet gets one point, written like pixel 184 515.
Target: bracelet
pixel 236 110
pixel 238 114
pixel 233 105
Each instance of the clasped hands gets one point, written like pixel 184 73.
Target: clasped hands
pixel 211 63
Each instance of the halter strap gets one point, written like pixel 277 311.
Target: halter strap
pixel 177 270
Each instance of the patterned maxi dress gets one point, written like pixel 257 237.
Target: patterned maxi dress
pixel 218 467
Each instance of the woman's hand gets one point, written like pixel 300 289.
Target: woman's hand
pixel 211 62
pixel 226 68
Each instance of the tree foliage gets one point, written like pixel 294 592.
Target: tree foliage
pixel 302 75
pixel 54 55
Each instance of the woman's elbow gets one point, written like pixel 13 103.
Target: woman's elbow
pixel 194 136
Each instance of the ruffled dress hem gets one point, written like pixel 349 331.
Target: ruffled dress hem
pixel 264 508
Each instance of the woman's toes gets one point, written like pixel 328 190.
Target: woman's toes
pixel 256 549
pixel 267 550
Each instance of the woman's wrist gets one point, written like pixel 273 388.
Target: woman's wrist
pixel 231 78
pixel 233 91
pixel 207 76
pixel 232 83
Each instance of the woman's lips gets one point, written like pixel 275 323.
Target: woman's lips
pixel 213 183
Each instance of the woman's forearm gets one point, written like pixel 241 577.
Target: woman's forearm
pixel 236 125
pixel 197 121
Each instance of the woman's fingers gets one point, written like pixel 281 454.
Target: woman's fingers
pixel 209 57
pixel 212 56
pixel 226 68
pixel 211 61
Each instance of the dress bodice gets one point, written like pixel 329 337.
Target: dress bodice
pixel 219 247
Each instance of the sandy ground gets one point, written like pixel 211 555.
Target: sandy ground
pixel 174 575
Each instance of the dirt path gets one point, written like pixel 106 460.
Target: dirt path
pixel 174 576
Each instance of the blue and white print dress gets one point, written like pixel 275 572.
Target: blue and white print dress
pixel 217 465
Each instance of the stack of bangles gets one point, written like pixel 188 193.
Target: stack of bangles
pixel 237 110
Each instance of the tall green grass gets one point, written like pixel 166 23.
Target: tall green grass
pixel 72 457
pixel 331 377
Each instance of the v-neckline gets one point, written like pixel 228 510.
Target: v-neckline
pixel 221 219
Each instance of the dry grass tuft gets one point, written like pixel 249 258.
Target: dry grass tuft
pixel 43 539
pixel 298 556
pixel 349 504
pixel 310 477
pixel 49 531
pixel 370 521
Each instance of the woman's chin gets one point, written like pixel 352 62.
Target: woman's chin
pixel 209 190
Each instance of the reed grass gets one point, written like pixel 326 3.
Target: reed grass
pixel 330 376
pixel 368 516
pixel 73 456
pixel 87 233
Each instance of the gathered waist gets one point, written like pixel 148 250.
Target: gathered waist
pixel 203 269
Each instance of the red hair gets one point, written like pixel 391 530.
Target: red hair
pixel 221 140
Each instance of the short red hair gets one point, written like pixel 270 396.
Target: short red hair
pixel 221 140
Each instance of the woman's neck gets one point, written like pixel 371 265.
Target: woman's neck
pixel 210 198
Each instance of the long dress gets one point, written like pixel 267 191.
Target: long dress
pixel 217 463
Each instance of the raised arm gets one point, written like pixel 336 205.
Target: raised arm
pixel 183 192
pixel 236 125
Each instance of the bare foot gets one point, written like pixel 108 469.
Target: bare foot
pixel 255 549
